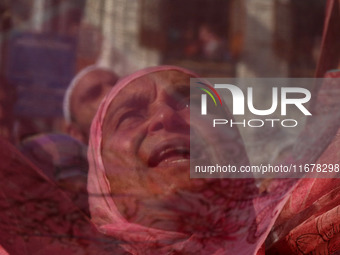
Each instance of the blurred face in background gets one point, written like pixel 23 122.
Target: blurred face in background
pixel 85 99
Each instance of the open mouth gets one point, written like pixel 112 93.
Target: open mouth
pixel 170 153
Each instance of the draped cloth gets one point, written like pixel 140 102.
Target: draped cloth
pixel 36 217
pixel 310 220
pixel 59 156
pixel 63 159
pixel 248 212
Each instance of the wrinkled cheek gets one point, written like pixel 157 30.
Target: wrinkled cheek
pixel 123 148
pixel 119 153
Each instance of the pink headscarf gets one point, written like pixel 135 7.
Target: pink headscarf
pixel 258 212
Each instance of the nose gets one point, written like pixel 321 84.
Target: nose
pixel 169 119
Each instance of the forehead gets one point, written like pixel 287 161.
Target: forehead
pixel 150 85
pixel 98 74
pixel 92 79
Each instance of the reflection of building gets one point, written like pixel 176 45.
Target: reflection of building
pixel 278 37
pixel 118 21
pixel 282 38
pixel 270 36
pixel 258 58
pixel 249 38
pixel 153 32
pixel 330 52
pixel 197 34
pixel 297 36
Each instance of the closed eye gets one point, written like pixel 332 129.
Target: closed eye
pixel 130 120
pixel 92 93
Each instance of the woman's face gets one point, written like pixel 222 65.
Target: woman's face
pixel 146 132
pixel 146 148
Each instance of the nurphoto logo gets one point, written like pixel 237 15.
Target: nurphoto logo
pixel 295 96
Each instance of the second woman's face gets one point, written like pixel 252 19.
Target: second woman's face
pixel 87 96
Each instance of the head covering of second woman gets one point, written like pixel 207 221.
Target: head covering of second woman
pixel 83 97
pixel 139 186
